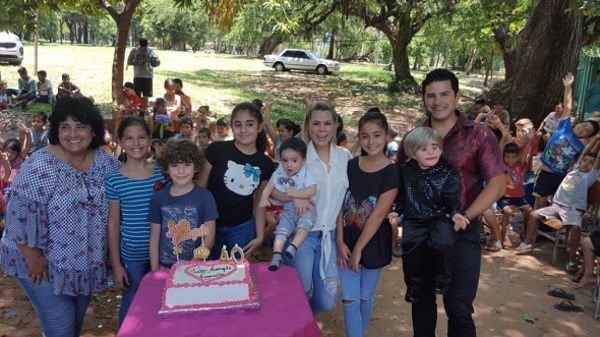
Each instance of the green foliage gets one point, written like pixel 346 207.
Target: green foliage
pixel 251 26
pixel 49 26
pixel 175 26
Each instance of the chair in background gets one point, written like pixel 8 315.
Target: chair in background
pixel 559 235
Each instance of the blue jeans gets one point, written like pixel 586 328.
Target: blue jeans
pixel 358 292
pixel 135 271
pixel 241 235
pixel 322 294
pixel 59 315
pixel 15 92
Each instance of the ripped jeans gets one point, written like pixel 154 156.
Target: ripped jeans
pixel 322 294
pixel 358 293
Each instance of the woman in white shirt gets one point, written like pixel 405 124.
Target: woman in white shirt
pixel 316 260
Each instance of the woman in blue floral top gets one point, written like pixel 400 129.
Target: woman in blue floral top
pixel 56 219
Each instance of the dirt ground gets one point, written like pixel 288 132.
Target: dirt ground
pixel 511 288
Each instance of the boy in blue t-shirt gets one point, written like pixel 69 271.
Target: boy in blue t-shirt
pixel 182 214
pixel 562 149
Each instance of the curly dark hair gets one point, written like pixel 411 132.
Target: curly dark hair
pixel 181 151
pixel 81 110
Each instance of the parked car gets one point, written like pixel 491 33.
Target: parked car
pixel 297 59
pixel 11 49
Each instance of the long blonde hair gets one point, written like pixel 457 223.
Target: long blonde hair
pixel 319 106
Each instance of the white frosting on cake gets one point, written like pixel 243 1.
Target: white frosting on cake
pixel 210 295
pixel 212 285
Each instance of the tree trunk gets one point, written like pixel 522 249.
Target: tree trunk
pixel 547 48
pixel 86 33
pixel 123 21
pixel 488 67
pixel 331 54
pixel 471 62
pixel 269 45
pixel 399 40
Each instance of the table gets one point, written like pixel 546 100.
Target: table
pixel 284 310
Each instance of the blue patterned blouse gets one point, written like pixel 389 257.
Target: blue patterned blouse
pixel 64 212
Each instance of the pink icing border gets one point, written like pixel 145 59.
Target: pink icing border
pixel 247 280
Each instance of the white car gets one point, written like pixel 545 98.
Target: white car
pixel 11 49
pixel 297 59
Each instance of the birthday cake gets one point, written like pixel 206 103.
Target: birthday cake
pixel 203 286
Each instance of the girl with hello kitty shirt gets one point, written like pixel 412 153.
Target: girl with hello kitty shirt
pixel 236 172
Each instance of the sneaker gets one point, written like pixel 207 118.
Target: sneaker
pixel 524 248
pixel 571 268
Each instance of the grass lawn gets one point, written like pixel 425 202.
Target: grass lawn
pixel 220 81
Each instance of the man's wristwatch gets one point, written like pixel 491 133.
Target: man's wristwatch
pixel 466 216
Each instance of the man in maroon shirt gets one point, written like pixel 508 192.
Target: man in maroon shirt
pixel 473 149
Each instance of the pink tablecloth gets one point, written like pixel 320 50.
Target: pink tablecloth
pixel 284 311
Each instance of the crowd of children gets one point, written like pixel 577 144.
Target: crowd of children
pixel 216 178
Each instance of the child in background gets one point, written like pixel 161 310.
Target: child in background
pixel 38 136
pixel 524 131
pixel 14 156
pixel 44 88
pixel 128 192
pixel 236 172
pixel 223 130
pixel 204 120
pixel 155 148
pixel 286 129
pixel 364 238
pixel 516 160
pixel 294 179
pixel 569 202
pixel 5 99
pixel 392 145
pixel 132 100
pixel 340 135
pixel 67 89
pixel 591 248
pixel 203 138
pixel 549 124
pixel 161 125
pixel 429 190
pixel 4 178
pixel 186 126
pixel 181 204
pixel 186 101
pixel 172 100
pixel 26 91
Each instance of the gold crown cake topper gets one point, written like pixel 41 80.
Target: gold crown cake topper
pixel 232 257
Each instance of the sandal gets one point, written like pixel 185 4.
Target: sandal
pixel 568 306
pixel 524 248
pixel 560 293
pixel 495 246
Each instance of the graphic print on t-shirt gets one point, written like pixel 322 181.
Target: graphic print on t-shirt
pixel 180 232
pixel 357 213
pixel 242 179
pixel 570 181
